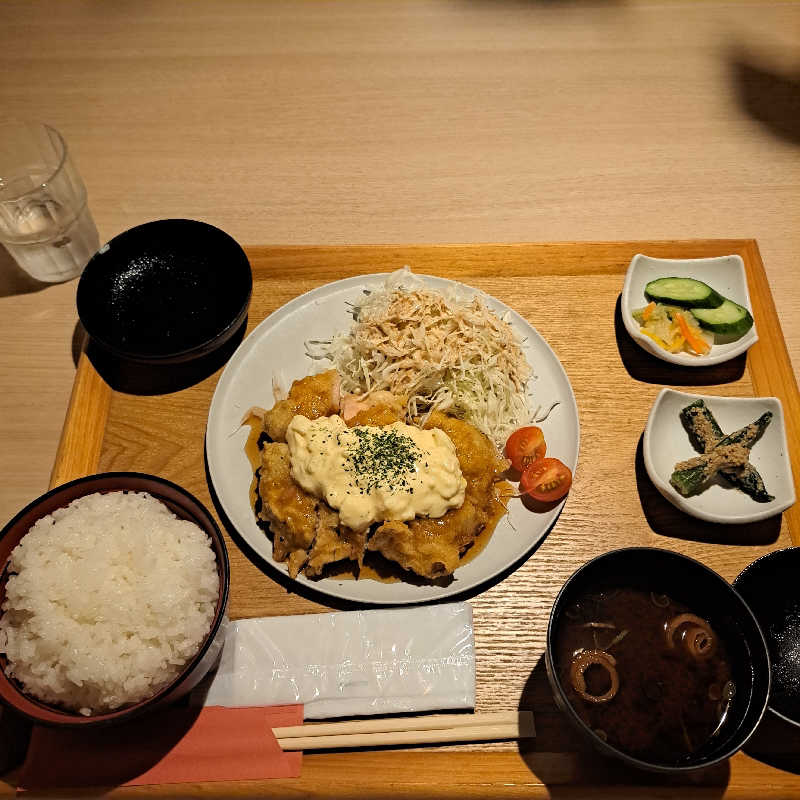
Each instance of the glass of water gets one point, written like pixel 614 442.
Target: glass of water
pixel 45 222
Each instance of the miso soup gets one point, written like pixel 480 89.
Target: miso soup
pixel 645 673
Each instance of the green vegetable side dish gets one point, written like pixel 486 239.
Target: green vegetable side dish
pixel 729 319
pixel 687 315
pixel 727 456
pixel 682 292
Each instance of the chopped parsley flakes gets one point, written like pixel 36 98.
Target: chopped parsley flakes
pixel 381 459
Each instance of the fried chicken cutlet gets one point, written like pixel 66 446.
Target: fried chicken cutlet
pixel 313 396
pixel 433 547
pixel 308 534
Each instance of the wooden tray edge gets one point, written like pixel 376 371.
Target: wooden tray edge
pixel 460 776
pixel 475 260
pixel 771 369
pixel 79 452
pixel 81 441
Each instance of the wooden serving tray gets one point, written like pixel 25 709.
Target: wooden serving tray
pixel 570 293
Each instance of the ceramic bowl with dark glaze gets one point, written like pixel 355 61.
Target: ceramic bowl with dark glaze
pixel 769 587
pixel 165 292
pixel 183 505
pixel 707 595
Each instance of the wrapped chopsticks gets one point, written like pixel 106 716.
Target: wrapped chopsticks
pixel 492 726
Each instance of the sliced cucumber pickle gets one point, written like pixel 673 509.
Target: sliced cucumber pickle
pixel 683 292
pixel 729 319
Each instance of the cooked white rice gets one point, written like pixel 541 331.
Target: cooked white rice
pixel 112 596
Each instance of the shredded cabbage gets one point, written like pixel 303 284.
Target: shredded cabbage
pixel 439 352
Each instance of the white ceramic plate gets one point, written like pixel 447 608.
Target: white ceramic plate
pixel 666 443
pixel 724 274
pixel 276 347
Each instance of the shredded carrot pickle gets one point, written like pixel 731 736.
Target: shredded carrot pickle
pixel 673 329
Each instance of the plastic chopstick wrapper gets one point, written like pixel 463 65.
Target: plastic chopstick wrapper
pixel 351 663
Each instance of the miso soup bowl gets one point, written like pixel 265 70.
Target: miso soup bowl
pixel 185 506
pixel 709 596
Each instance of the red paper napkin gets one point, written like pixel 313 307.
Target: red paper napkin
pixel 180 745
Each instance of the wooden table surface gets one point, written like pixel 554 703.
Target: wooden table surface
pixel 411 121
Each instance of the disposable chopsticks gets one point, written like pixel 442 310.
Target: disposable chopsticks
pixel 486 727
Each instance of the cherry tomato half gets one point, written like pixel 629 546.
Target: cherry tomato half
pixel 525 446
pixel 546 480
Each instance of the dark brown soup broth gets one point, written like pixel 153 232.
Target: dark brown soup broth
pixel 669 700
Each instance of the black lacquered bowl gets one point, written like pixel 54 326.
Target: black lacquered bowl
pixel 709 596
pixel 770 587
pixel 165 292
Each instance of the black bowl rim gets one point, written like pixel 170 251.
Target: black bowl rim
pixel 179 355
pixel 608 749
pixel 755 565
pixel 183 355
pixel 131 712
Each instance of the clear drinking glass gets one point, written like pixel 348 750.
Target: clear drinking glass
pixel 45 222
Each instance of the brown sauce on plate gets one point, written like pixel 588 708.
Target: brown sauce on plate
pixel 503 491
pixel 253 452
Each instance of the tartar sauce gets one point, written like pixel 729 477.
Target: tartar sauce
pixel 371 474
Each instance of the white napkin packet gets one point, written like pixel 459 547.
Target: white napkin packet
pixel 351 663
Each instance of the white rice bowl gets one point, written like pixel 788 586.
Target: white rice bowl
pixel 106 602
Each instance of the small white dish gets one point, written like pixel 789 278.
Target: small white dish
pixel 666 442
pixel 724 274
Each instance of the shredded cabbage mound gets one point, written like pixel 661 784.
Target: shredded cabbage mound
pixel 440 353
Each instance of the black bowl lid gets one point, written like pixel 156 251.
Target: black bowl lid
pixel 769 586
pixel 164 290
